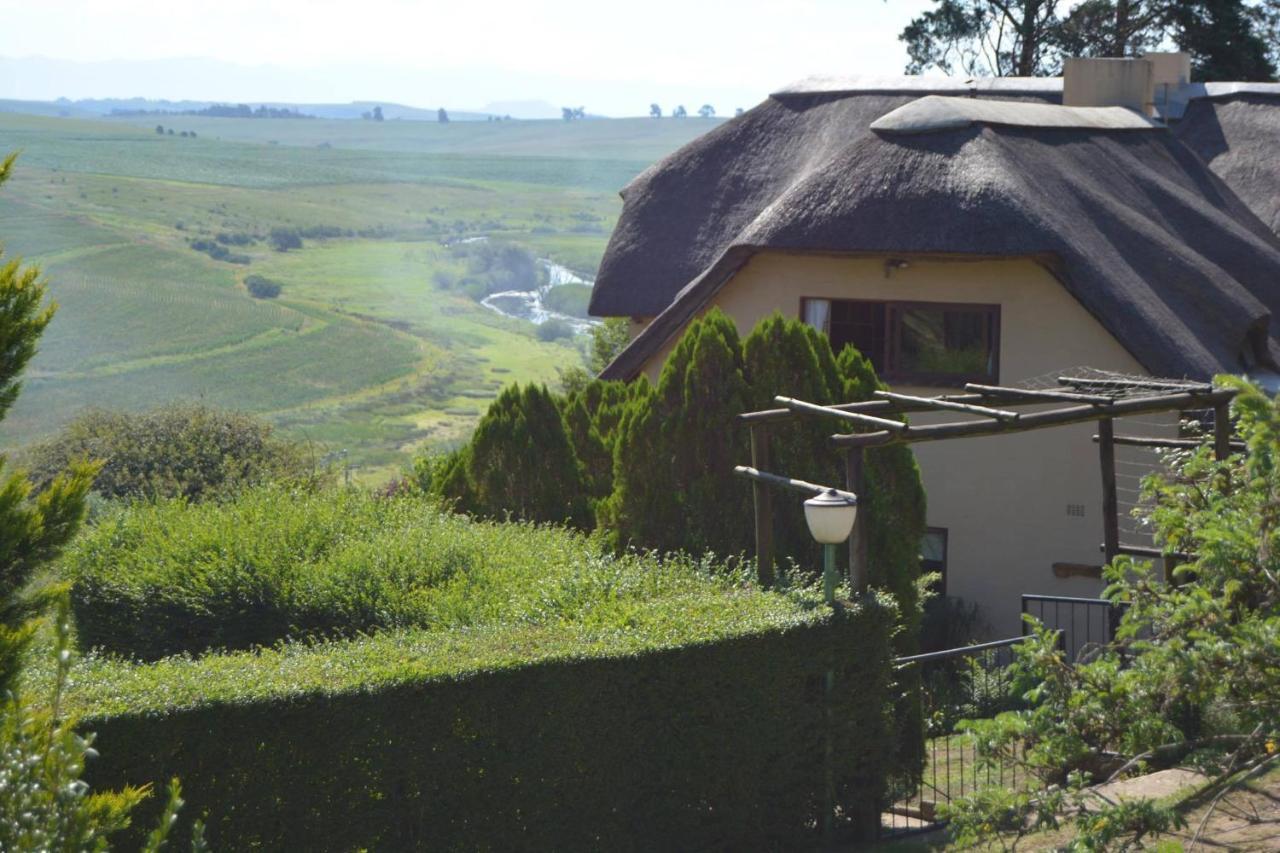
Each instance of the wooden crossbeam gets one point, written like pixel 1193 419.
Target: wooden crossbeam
pixel 1170 443
pixel 1034 394
pixel 1156 384
pixel 950 405
pixel 842 414
pixel 1147 551
pixel 1037 420
pixel 789 483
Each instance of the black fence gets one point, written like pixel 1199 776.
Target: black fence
pixel 963 683
pixel 1082 623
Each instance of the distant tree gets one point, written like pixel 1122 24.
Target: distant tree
pixel 566 113
pixel 184 134
pixel 442 116
pixel 580 112
pixel 706 111
pixel 679 112
pixel 170 131
pixel 193 134
pixel 284 239
pixel 1227 39
pixel 377 113
pixel 655 111
pixel 739 111
pixel 366 115
pixel 160 129
pixel 261 287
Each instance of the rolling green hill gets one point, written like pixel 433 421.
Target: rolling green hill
pixel 363 350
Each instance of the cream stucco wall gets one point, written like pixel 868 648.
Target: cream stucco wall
pixel 1003 500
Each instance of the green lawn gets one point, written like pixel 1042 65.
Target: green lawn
pixel 362 351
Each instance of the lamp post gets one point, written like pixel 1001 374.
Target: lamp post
pixel 830 516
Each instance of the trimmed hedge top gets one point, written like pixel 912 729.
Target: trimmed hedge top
pixel 276 564
pixel 106 687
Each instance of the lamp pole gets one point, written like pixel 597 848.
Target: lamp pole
pixel 830 516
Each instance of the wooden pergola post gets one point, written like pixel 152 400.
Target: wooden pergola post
pixel 854 481
pixel 1222 431
pixel 764 505
pixel 1110 502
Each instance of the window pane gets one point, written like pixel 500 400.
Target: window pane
pixel 933 546
pixel 862 325
pixel 944 341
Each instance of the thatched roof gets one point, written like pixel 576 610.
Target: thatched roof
pixel 1144 236
pixel 1236 130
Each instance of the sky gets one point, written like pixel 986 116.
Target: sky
pixel 610 57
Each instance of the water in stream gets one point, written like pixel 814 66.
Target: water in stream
pixel 528 304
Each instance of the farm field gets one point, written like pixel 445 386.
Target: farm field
pixel 364 350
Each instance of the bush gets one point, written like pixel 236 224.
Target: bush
pixel 219 252
pixel 165 578
pixel 493 266
pixel 520 463
pixel 284 239
pixel 570 299
pixel 702 725
pixel 190 451
pixel 261 287
pixel 554 329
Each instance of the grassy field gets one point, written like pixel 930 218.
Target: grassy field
pixel 362 351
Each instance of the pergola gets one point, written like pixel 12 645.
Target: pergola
pixel 990 410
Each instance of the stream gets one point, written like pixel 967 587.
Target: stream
pixel 528 304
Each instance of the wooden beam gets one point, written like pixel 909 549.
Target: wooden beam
pixel 950 405
pixel 855 481
pixel 1148 551
pixel 1169 443
pixel 778 415
pixel 1139 384
pixel 788 482
pixel 1026 395
pixel 1222 430
pixel 763 505
pixel 842 414
pixel 1036 420
pixel 1110 503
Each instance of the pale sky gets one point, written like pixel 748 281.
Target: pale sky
pixel 612 58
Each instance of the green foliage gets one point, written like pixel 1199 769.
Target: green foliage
pixel 1204 648
pixel 284 239
pixel 569 299
pixel 607 340
pixel 554 329
pixel 191 451
pixel 521 463
pixel 492 266
pixel 701 724
pixel 261 287
pixel 168 577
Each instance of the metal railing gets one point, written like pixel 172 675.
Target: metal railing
pixel 945 687
pixel 1081 622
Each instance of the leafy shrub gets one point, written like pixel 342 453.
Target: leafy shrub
pixel 261 287
pixel 284 239
pixel 607 340
pixel 702 724
pixel 235 238
pixel 169 577
pixel 492 266
pixel 218 252
pixel 180 450
pixel 554 329
pixel 571 299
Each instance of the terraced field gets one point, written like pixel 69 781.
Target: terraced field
pixel 363 350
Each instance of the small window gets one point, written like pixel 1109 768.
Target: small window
pixel 922 343
pixel 933 556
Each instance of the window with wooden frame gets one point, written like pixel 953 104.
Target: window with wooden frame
pixel 917 343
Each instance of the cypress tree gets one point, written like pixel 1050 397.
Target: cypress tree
pixel 674 486
pixel 520 461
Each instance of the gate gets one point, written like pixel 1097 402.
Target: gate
pixel 1080 622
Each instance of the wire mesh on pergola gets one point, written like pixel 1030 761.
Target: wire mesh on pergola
pixel 1071 396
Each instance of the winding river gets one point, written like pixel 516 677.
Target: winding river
pixel 528 304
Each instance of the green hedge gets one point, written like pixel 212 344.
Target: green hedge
pixel 700 727
pixel 276 563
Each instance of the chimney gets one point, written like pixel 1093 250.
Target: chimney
pixel 1170 72
pixel 1109 83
